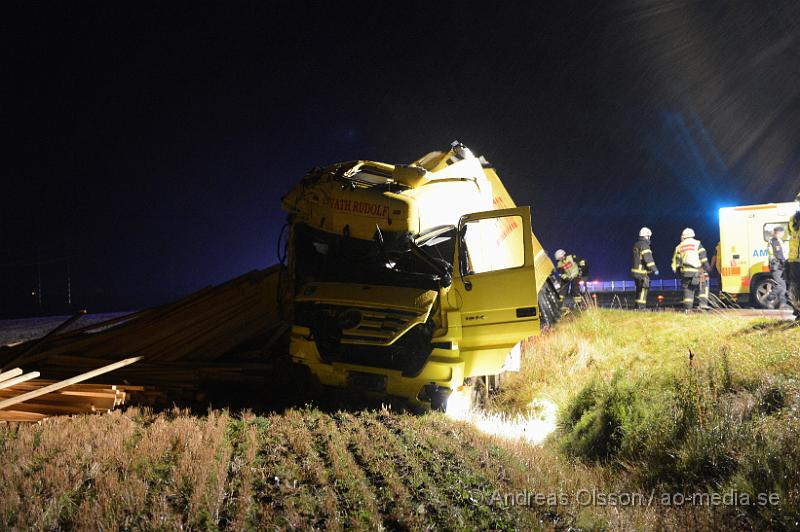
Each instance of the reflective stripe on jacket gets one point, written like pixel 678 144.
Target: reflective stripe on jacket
pixel 689 256
pixel 643 262
pixel 569 267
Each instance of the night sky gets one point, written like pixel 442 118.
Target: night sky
pixel 148 144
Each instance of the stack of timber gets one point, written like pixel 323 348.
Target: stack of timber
pixel 25 397
pixel 224 333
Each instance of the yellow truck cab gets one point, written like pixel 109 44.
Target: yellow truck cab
pixel 743 260
pixel 410 280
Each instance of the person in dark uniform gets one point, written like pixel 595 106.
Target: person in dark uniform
pixel 643 266
pixel 777 265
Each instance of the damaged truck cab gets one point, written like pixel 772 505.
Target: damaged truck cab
pixel 410 280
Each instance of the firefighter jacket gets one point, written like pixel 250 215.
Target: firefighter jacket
pixel 570 267
pixel 689 257
pixel 643 262
pixel 794 238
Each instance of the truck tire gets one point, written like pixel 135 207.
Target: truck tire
pixel 549 305
pixel 761 287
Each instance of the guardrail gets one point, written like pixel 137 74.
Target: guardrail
pixel 628 285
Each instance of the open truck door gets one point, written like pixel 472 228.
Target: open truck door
pixel 495 287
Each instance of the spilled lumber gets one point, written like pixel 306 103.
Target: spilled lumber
pixel 5 375
pixel 61 397
pixel 221 334
pixel 8 383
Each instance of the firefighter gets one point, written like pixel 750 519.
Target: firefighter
pixel 583 282
pixel 643 266
pixel 777 264
pixel 570 269
pixel 793 260
pixel 691 262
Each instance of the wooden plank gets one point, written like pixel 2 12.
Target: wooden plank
pixel 98 395
pixel 39 383
pixel 18 415
pixel 5 375
pixel 55 400
pixel 8 383
pixel 58 397
pixel 15 391
pixel 68 382
pixel 54 410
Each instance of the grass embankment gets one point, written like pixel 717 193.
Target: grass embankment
pixel 675 403
pixel 636 419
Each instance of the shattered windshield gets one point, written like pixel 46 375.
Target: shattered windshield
pixel 439 243
pixel 395 259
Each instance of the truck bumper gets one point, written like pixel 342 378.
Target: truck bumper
pixel 443 370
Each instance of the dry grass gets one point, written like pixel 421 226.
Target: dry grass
pixel 370 470
pixel 305 469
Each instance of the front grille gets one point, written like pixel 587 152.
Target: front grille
pixel 382 338
pixel 373 326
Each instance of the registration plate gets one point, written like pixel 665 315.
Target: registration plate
pixel 367 381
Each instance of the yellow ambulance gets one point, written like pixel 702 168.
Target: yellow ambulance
pixel 743 255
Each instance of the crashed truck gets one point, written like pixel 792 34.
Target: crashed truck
pixel 412 281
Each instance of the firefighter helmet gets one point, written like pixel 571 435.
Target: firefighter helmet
pixel 560 254
pixel 645 232
pixel 687 233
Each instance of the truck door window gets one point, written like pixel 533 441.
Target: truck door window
pixel 493 244
pixel 768 228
